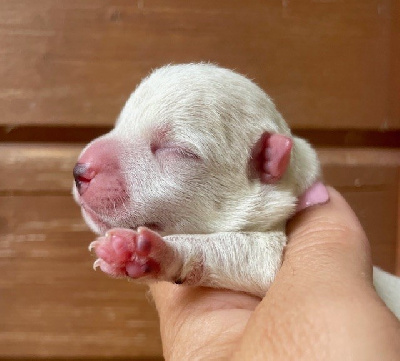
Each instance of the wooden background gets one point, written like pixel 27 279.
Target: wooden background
pixel 66 68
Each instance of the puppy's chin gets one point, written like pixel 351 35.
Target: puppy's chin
pixel 97 225
pixel 75 194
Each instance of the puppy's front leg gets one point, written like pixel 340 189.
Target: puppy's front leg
pixel 214 260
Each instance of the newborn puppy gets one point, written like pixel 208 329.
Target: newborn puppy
pixel 195 183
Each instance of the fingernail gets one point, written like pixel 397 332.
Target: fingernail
pixel 316 194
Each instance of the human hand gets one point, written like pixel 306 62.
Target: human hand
pixel 322 305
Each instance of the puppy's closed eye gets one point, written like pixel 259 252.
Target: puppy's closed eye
pixel 175 151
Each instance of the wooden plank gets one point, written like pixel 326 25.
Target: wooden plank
pixel 372 193
pixel 52 301
pixel 369 180
pixel 328 64
pixel 56 306
pixel 353 157
pixel 40 168
pixel 398 230
pixel 394 71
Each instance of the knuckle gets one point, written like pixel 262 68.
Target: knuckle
pixel 323 231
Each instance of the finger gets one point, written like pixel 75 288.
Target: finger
pixel 327 254
pixel 325 280
pixel 200 323
pixel 327 240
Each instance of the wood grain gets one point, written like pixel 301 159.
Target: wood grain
pixel 327 64
pixel 37 168
pixel 55 306
pixel 370 180
pixel 66 69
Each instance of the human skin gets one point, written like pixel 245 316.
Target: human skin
pixel 321 306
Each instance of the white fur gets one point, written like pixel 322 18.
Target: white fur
pixel 225 229
pixel 388 288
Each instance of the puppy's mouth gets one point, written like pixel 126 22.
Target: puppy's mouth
pixel 105 225
pixel 153 226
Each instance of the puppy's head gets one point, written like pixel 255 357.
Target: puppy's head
pixel 187 155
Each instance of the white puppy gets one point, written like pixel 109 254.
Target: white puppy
pixel 195 183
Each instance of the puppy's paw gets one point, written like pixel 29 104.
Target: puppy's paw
pixel 126 253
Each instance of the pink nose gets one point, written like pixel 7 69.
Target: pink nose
pixel 83 174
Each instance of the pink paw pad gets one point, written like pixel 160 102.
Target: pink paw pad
pixel 123 252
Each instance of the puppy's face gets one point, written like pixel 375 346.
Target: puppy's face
pixel 178 158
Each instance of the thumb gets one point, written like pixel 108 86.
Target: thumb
pixel 327 242
pixel 324 287
pixel 327 255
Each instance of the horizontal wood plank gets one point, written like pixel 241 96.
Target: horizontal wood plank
pixel 67 67
pixel 40 168
pixel 327 64
pixel 55 305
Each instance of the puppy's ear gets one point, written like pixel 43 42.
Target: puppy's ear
pixel 271 156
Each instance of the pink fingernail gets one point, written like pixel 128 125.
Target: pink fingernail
pixel 316 194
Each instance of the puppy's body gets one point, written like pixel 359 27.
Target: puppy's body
pixel 203 163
